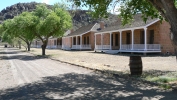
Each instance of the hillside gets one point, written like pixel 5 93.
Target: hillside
pixel 80 17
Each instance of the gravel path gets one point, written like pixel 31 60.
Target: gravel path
pixel 19 68
pixel 6 75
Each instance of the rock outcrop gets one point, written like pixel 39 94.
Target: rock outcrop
pixel 80 17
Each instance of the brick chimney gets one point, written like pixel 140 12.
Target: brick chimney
pixel 102 25
pixel 71 31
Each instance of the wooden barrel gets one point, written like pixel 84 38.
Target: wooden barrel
pixel 135 65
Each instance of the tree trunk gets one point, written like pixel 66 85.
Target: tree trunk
pixel 44 45
pixel 19 45
pixel 28 44
pixel 28 47
pixel 171 16
pixel 169 12
pixel 43 49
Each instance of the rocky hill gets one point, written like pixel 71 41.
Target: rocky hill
pixel 14 10
pixel 80 17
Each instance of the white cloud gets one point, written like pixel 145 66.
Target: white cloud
pixel 51 2
pixel 45 1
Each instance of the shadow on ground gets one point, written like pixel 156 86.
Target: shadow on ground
pixel 21 55
pixel 74 86
pixel 24 57
pixel 11 52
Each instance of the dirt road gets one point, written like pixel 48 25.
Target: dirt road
pixel 24 76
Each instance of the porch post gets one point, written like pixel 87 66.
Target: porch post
pixel 81 42
pixel 50 43
pixel 120 40
pixel 145 38
pixel 56 43
pixel 110 41
pixel 132 38
pixel 95 42
pixel 62 42
pixel 102 41
pixel 72 42
pixel 76 41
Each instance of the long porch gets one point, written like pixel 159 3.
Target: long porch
pixel 78 42
pixel 138 40
pixel 54 43
pixel 54 46
pixel 128 48
pixel 81 46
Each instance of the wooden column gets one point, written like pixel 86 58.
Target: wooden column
pixel 120 40
pixel 110 41
pixel 145 38
pixel 132 38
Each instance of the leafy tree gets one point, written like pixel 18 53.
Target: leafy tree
pixel 51 22
pixel 162 9
pixel 23 28
pixel 41 23
pixel 1 30
pixel 15 29
pixel 5 27
pixel 8 38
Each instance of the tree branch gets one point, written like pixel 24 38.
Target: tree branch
pixel 23 39
pixel 159 7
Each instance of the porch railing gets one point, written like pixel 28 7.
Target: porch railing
pixel 126 46
pixel 81 47
pixel 38 46
pixel 66 47
pixel 59 46
pixel 102 47
pixel 35 46
pixel 54 46
pixel 88 46
pixel 153 46
pixel 140 47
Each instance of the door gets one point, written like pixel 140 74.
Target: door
pixel 88 40
pixel 117 39
pixel 112 39
pixel 142 37
pixel 128 38
pixel 78 40
pixel 84 40
pixel 151 38
pixel 74 41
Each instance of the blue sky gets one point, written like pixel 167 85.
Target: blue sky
pixel 6 3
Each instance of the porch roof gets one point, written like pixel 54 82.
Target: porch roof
pixel 84 30
pixel 137 23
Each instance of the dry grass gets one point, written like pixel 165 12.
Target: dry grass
pixel 153 66
pixel 118 62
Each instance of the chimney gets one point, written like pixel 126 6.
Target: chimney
pixel 102 25
pixel 71 31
